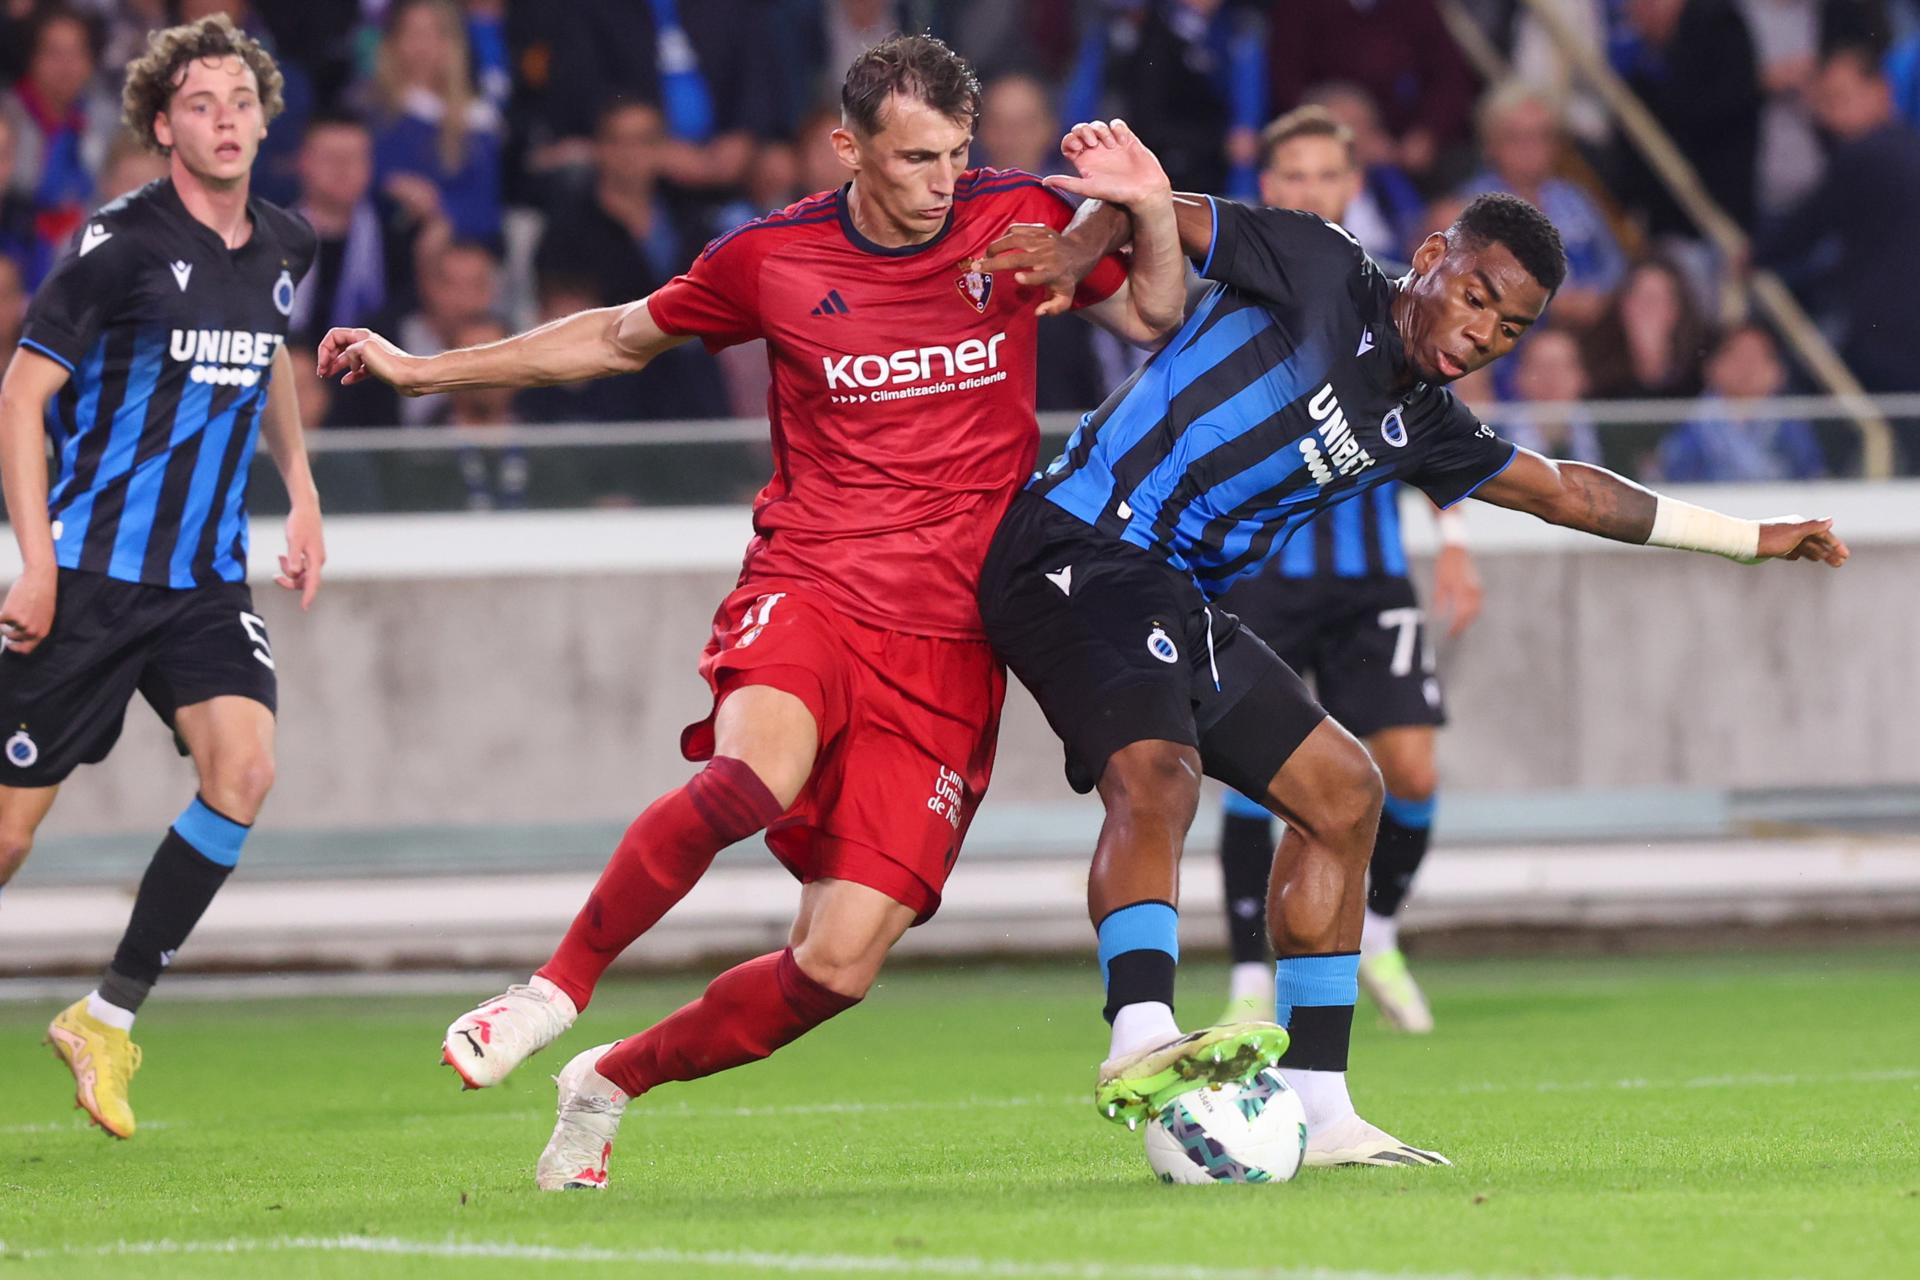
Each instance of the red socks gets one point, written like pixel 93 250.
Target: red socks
pixel 745 1014
pixel 666 850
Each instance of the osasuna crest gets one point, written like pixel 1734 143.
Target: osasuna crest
pixel 976 287
pixel 283 293
pixel 1393 428
pixel 22 750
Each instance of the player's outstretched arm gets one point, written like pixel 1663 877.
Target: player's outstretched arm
pixel 588 344
pixel 31 381
pixel 1597 501
pixel 280 425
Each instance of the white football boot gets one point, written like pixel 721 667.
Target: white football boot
pixel 588 1117
pixel 1351 1140
pixel 484 1045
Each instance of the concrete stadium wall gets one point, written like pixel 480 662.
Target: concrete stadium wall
pixel 538 668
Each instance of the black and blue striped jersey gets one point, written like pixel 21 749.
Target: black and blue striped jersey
pixel 1358 538
pixel 1276 401
pixel 169 337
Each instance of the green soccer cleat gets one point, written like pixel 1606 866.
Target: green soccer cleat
pixel 1384 977
pixel 1134 1087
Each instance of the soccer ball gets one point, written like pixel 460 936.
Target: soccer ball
pixel 1256 1132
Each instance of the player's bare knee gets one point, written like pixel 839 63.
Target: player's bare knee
pixel 843 965
pixel 1153 780
pixel 1347 806
pixel 14 848
pixel 1362 794
pixel 773 733
pixel 238 784
pixel 1415 781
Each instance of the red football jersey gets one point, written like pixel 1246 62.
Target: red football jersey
pixel 902 395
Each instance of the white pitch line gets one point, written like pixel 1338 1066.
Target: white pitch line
pixel 1896 1075
pixel 284 986
pixel 78 1126
pixel 798 1263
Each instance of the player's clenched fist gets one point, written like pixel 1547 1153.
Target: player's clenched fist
pixel 27 615
pixel 359 354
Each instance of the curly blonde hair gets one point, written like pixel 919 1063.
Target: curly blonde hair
pixel 153 78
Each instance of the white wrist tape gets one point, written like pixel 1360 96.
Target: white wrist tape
pixel 1685 527
pixel 1452 528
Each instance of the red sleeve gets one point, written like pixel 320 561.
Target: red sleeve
pixel 1043 204
pixel 718 298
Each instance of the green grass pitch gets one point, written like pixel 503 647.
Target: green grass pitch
pixel 1733 1116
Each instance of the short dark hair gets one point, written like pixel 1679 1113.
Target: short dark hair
pixel 918 67
pixel 53 15
pixel 336 120
pixel 1498 218
pixel 1310 121
pixel 620 106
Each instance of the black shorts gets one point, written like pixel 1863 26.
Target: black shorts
pixel 1365 641
pixel 63 704
pixel 1119 647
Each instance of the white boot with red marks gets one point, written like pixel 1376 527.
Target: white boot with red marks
pixel 587 1122
pixel 485 1045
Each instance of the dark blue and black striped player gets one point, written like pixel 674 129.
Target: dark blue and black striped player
pixel 151 366
pixel 1302 379
pixel 1338 607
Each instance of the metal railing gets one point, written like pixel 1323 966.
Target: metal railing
pixel 724 461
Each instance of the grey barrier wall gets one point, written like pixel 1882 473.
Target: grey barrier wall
pixel 416 695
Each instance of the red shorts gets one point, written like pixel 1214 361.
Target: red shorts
pixel 907 732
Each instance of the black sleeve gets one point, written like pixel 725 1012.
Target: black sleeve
pixel 1282 255
pixel 1464 454
pixel 75 300
pixel 302 244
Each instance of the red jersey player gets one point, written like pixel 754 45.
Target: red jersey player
pixel 856 701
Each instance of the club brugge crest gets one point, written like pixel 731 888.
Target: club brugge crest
pixel 22 750
pixel 283 293
pixel 1393 428
pixel 975 286
pixel 1161 645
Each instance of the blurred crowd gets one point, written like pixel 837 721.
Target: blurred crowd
pixel 475 166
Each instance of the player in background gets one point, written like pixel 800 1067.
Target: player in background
pixel 1302 376
pixel 856 701
pixel 1338 604
pixel 153 361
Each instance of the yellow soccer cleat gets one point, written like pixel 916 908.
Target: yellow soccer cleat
pixel 103 1060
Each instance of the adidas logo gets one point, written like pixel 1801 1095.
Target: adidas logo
pixel 832 305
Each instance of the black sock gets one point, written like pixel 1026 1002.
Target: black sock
pixel 1317 1038
pixel 1139 949
pixel 1246 861
pixel 1313 1000
pixel 1405 826
pixel 174 894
